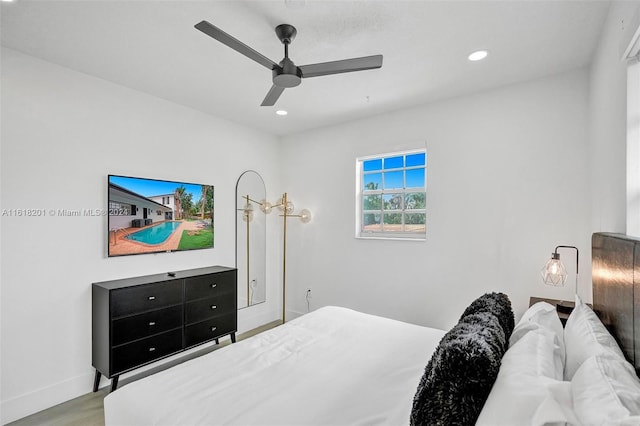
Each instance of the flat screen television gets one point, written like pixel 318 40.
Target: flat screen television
pixel 152 216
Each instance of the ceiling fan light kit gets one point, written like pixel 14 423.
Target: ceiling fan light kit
pixel 287 74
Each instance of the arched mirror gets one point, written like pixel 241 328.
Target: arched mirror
pixel 251 238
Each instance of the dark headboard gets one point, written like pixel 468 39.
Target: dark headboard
pixel 616 289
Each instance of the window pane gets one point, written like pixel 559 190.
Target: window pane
pixel 415 222
pixel 372 181
pixel 415 178
pixel 393 180
pixel 416 160
pixel 372 202
pixel 371 222
pixel 393 162
pixel 371 165
pixel 416 200
pixel 393 201
pixel 392 222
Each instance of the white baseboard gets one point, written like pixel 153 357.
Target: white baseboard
pixel 293 314
pixel 250 318
pixel 41 399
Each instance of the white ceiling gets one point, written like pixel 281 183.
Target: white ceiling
pixel 152 46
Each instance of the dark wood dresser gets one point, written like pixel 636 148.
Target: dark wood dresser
pixel 136 321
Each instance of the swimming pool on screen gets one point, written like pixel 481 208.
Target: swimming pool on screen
pixel 156 234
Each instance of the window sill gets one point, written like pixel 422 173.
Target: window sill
pixel 390 238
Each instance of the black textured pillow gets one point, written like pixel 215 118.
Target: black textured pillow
pixel 461 372
pixel 499 305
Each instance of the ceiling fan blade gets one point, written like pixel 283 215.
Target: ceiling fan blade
pixel 224 38
pixel 272 96
pixel 345 65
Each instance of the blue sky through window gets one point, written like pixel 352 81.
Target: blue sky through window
pixel 372 165
pixel 393 180
pixel 413 178
pixel 394 162
pixel 416 159
pixel 372 181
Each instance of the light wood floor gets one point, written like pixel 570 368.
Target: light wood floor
pixel 88 410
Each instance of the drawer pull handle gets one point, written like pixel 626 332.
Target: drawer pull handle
pixel 213 306
pixel 152 349
pixel 214 285
pixel 213 328
pixel 152 323
pixel 152 298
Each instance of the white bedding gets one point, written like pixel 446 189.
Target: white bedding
pixel 333 366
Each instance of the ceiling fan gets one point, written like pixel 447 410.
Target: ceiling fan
pixel 287 74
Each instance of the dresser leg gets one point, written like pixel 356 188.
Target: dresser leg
pixel 114 383
pixel 217 342
pixel 233 337
pixel 96 381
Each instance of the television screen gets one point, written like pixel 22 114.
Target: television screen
pixel 151 216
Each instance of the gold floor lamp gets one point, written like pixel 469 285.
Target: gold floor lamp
pixel 286 207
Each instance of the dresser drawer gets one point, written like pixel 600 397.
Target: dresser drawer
pixel 210 285
pixel 142 351
pixel 133 300
pixel 139 326
pixel 210 329
pixel 207 308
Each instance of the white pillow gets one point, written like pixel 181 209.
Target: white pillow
pixel 544 315
pixel 585 336
pixel 606 390
pixel 528 367
pixel 557 408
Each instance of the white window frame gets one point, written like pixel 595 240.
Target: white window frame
pixel 381 234
pixel 633 148
pixel 632 56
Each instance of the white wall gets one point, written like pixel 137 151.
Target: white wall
pixel 608 119
pixel 507 181
pixel 62 133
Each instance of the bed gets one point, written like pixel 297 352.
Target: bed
pixel 311 371
pixel 336 366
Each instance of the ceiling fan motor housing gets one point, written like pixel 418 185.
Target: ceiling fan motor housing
pixel 286 33
pixel 287 75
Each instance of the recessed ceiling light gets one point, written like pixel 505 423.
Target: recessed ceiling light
pixel 281 112
pixel 6 1
pixel 478 55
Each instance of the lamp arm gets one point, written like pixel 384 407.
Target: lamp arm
pixel 577 261
pixel 577 254
pixel 252 200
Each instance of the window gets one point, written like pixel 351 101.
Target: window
pixel 633 138
pixel 391 196
pixel 633 148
